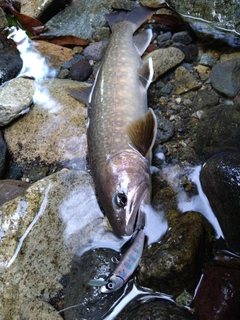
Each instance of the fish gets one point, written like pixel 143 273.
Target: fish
pixel 127 265
pixel 121 128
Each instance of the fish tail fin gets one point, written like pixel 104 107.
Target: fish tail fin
pixel 136 16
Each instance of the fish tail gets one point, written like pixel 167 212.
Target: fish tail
pixel 136 17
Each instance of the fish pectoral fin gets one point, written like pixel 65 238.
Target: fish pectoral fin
pixel 142 132
pixel 146 73
pixel 142 40
pixel 81 94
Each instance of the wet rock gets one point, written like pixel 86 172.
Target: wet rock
pixel 218 294
pixel 182 37
pixel 225 77
pixel 164 60
pixel 55 55
pixel 10 189
pixel 220 179
pixel 76 58
pixel 218 130
pixel 204 99
pixel 40 233
pixel 16 97
pixel 10 62
pixel 174 264
pixel 3 20
pixel 89 301
pixel 86 14
pixel 3 154
pixel 81 70
pixel 203 18
pixel 165 130
pixel 53 131
pixel 160 309
pixel 185 81
pixel 43 9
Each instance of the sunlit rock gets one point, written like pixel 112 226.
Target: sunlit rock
pixel 40 232
pixel 56 55
pixel 185 81
pixel 164 60
pixel 55 128
pixel 16 97
pixel 87 15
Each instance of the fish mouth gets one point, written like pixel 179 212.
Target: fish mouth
pixel 135 217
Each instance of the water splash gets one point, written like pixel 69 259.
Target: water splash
pixel 34 66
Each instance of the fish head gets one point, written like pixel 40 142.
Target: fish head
pixel 113 284
pixel 127 186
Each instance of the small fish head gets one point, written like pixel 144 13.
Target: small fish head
pixel 113 284
pixel 128 184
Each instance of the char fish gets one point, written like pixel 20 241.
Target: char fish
pixel 122 130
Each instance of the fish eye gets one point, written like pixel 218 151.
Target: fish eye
pixel 110 285
pixel 121 199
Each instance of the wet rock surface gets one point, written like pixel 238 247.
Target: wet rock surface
pixel 195 98
pixel 220 178
pixel 218 294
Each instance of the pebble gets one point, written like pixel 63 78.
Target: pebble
pixel 207 60
pixel 10 189
pixel 182 37
pixel 80 71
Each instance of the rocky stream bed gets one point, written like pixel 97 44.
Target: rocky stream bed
pixel 48 209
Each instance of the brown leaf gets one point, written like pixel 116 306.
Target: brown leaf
pixel 63 40
pixel 32 25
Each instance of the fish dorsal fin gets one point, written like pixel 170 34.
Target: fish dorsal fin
pixel 82 94
pixel 142 40
pixel 146 72
pixel 142 133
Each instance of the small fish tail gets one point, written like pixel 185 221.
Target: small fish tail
pixel 136 16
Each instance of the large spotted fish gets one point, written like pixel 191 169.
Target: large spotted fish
pixel 122 129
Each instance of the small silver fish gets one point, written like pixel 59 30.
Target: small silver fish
pixel 127 265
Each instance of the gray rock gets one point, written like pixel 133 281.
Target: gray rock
pixel 164 60
pixel 3 153
pixel 87 15
pixel 40 233
pixel 3 19
pixel 215 18
pixel 225 77
pixel 16 97
pixel 95 50
pixel 164 37
pixel 204 99
pixel 207 60
pixel 182 37
pixel 10 62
